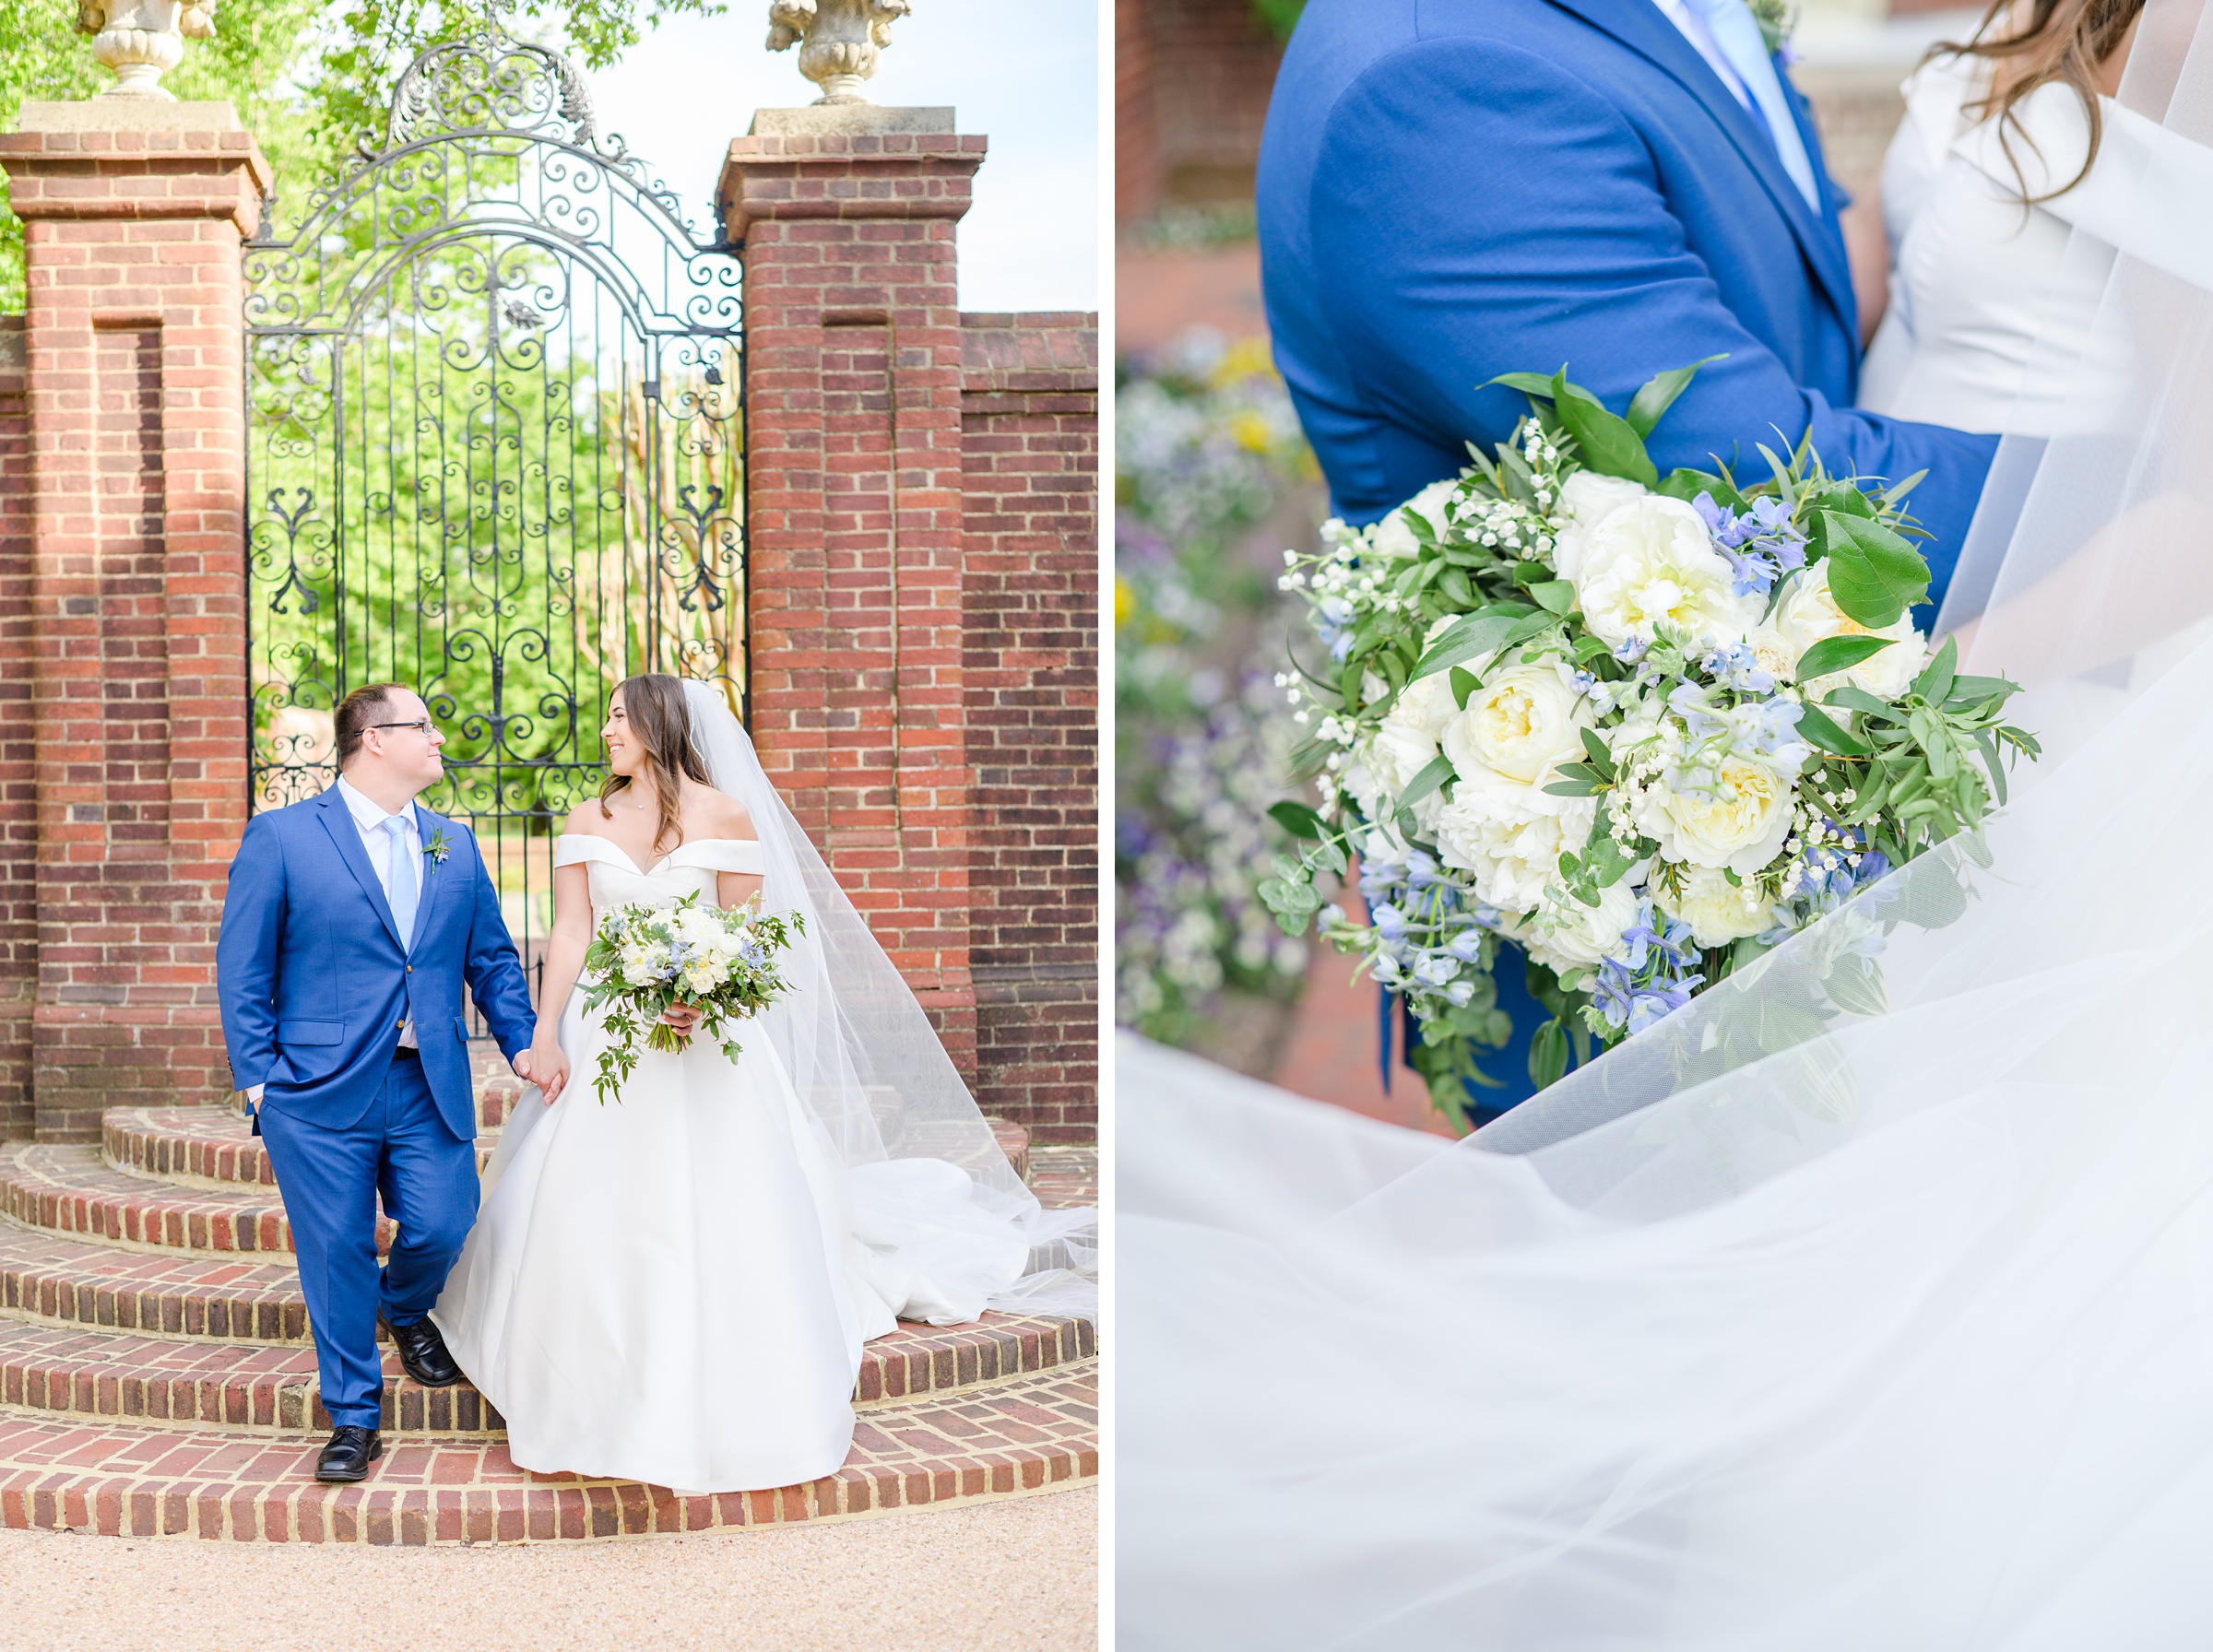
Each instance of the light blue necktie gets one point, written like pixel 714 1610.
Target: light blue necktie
pixel 403 880
pixel 1736 32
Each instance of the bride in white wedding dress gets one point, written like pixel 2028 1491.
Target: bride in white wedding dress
pixel 1788 1324
pixel 674 1286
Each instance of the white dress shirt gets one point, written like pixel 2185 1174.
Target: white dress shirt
pixel 1694 30
pixel 369 817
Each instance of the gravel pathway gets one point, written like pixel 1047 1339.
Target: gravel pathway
pixel 1016 1576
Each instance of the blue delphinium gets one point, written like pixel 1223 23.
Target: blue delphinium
pixel 1655 973
pixel 1760 545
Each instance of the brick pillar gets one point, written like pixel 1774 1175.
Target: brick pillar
pixel 853 378
pixel 133 218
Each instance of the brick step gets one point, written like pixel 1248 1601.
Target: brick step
pixel 198 1147
pixel 133 1377
pixel 203 1147
pixel 123 1480
pixel 70 1189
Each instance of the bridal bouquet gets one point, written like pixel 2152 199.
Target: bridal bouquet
pixel 1645 728
pixel 648 958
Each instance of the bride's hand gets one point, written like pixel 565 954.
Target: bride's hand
pixel 685 1017
pixel 544 1066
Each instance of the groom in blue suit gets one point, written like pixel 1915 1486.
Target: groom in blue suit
pixel 350 925
pixel 1453 189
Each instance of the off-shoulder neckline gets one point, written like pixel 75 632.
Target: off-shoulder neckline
pixel 594 837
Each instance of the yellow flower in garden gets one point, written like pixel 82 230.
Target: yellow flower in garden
pixel 1125 601
pixel 1245 358
pixel 1253 433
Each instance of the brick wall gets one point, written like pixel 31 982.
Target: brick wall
pixel 1030 420
pixel 137 680
pixel 1197 84
pixel 853 483
pixel 19 792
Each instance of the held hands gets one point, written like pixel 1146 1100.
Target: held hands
pixel 546 1067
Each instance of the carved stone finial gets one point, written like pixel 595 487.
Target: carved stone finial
pixel 143 39
pixel 839 41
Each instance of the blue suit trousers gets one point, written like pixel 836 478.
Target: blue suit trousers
pixel 403 1150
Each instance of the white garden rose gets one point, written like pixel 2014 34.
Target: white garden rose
pixel 1773 654
pixel 1392 538
pixel 1519 723
pixel 1719 912
pixel 1742 824
pixel 1571 939
pixel 1808 613
pixel 1511 852
pixel 1650 563
pixel 1586 500
pixel 1405 742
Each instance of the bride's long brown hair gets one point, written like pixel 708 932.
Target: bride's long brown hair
pixel 2065 40
pixel 653 706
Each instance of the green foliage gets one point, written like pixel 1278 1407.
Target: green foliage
pixel 1278 17
pixel 307 80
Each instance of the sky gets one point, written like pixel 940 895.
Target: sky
pixel 1023 73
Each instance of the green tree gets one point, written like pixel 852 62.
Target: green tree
pixel 308 79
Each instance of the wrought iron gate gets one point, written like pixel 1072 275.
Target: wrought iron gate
pixel 496 449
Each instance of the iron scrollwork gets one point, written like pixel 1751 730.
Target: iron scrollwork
pixel 498 446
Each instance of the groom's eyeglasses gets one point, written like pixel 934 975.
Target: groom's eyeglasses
pixel 422 725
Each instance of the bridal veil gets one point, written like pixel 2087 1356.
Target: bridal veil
pixel 1802 1320
pixel 928 1176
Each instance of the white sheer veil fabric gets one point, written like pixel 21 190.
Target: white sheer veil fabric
pixel 1794 1323
pixel 950 1224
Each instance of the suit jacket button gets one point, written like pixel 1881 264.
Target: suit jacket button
pixel 411 969
pixel 401 1026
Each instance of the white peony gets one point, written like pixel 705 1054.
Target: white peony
pixel 1392 538
pixel 1741 825
pixel 1519 723
pixel 1512 854
pixel 1406 740
pixel 1718 911
pixel 1586 500
pixel 1650 563
pixel 1808 613
pixel 1571 939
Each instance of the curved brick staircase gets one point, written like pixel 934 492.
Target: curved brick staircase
pixel 157 1378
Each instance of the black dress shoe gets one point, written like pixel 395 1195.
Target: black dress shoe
pixel 350 1453
pixel 423 1353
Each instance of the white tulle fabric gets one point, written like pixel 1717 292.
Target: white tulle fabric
pixel 1790 1324
pixel 675 1287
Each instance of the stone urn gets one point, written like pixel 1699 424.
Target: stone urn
pixel 839 41
pixel 143 39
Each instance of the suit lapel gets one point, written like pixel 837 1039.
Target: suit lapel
pixel 426 884
pixel 1645 30
pixel 338 819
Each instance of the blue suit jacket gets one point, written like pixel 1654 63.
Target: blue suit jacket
pixel 1453 189
pixel 315 982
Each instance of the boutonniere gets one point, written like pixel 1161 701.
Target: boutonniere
pixel 1776 20
pixel 438 848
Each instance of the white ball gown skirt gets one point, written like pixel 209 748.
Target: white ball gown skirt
pixel 674 1288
